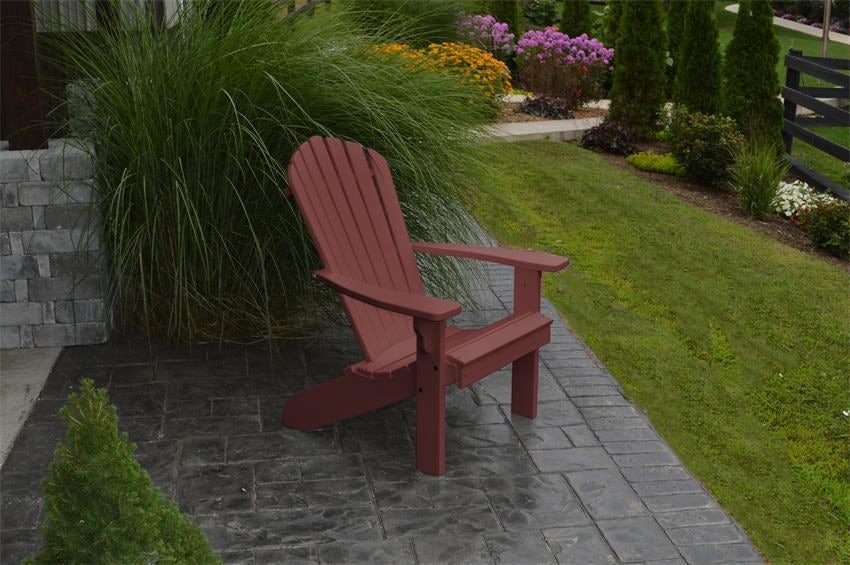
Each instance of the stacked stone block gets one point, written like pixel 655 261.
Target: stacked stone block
pixel 52 275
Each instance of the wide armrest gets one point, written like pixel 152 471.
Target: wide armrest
pixel 416 305
pixel 519 258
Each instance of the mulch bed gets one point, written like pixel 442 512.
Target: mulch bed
pixel 725 204
pixel 510 114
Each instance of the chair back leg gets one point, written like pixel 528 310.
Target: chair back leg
pixel 430 397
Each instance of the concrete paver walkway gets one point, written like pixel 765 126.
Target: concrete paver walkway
pixel 588 481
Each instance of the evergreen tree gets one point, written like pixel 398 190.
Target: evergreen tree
pixel 697 82
pixel 507 11
pixel 639 69
pixel 101 506
pixel 676 12
pixel 611 25
pixel 575 17
pixel 750 83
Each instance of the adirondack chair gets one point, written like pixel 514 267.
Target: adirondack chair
pixel 348 201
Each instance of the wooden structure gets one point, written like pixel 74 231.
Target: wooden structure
pixel 348 201
pixel 23 120
pixel 830 70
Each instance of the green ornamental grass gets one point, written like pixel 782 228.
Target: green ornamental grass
pixel 755 175
pixel 101 506
pixel 193 127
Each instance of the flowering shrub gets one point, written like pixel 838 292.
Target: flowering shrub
pixel 485 32
pixel 828 225
pixel 704 143
pixel 477 66
pixel 554 65
pixel 792 198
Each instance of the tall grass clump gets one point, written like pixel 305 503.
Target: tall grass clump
pixel 193 126
pixel 755 175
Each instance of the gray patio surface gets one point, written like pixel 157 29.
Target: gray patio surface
pixel 588 481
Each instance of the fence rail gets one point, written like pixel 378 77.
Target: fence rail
pixel 829 70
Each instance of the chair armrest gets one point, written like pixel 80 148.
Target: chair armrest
pixel 519 258
pixel 415 305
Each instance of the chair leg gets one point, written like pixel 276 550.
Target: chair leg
pixel 430 397
pixel 524 385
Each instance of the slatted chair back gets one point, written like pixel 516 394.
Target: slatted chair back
pixel 347 198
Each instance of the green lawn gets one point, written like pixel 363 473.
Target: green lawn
pixel 738 347
pixel 808 44
pixel 823 162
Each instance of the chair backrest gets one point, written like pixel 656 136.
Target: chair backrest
pixel 349 203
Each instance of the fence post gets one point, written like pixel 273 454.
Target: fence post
pixel 792 82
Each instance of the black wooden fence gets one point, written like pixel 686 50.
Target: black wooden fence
pixel 828 70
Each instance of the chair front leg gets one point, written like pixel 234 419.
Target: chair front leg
pixel 430 396
pixel 524 370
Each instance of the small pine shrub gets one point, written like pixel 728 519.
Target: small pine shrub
pixel 609 137
pixel 697 82
pixel 755 176
pixel 676 11
pixel 705 144
pixel 575 17
pixel 507 11
pixel 101 505
pixel 750 83
pixel 541 12
pixel 828 225
pixel 663 163
pixel 638 92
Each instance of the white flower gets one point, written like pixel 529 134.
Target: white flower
pixel 794 197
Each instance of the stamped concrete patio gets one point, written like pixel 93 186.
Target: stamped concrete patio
pixel 588 481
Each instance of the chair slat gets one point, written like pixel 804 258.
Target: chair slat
pixel 349 204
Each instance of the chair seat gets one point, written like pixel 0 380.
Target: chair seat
pixel 471 353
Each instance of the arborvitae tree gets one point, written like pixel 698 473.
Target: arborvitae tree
pixel 639 79
pixel 750 83
pixel 611 27
pixel 507 11
pixel 101 506
pixel 697 82
pixel 676 12
pixel 575 17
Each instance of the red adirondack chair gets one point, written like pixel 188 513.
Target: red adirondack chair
pixel 348 201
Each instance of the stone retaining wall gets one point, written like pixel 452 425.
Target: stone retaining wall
pixel 52 275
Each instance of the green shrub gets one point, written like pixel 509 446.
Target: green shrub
pixel 697 82
pixel 101 506
pixel 755 176
pixel 575 17
pixel 541 12
pixel 414 22
pixel 750 84
pixel 193 130
pixel 610 137
pixel 828 225
pixel 704 144
pixel 508 12
pixel 676 11
pixel 664 163
pixel 638 91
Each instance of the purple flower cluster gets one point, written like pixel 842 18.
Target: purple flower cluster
pixel 551 44
pixel 486 32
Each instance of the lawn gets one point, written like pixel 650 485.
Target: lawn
pixel 823 162
pixel 737 347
